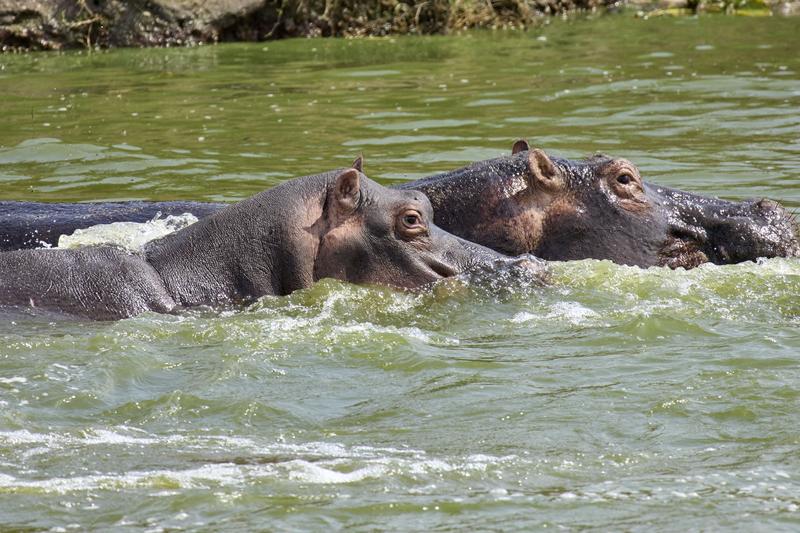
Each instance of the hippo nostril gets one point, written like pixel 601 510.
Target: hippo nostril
pixel 769 209
pixel 442 269
pixel 686 232
pixel 765 204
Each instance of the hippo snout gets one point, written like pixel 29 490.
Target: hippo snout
pixel 465 257
pixel 723 232
pixel 779 229
pixel 763 228
pixel 514 271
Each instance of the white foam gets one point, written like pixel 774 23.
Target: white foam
pixel 131 236
pixel 102 436
pixel 572 312
pixel 313 462
pixel 407 332
pixel 204 476
pixel 325 325
pixel 23 436
pixel 313 473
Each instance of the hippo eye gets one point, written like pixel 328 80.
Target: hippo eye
pixel 411 225
pixel 411 220
pixel 626 185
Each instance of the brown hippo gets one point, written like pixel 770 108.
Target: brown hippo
pixel 526 202
pixel 338 224
pixel 599 208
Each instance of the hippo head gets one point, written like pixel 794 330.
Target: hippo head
pixel 600 208
pixel 372 234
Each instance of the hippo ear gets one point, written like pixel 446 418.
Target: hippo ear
pixel 542 170
pixel 347 191
pixel 520 146
pixel 358 164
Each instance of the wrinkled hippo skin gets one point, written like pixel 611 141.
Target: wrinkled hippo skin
pixel 556 209
pixel 335 225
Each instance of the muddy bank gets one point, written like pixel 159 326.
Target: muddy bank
pixel 59 24
pixel 62 24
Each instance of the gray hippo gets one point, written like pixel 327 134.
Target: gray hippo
pixel 527 202
pixel 339 224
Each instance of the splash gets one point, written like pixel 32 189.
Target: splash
pixel 239 461
pixel 131 236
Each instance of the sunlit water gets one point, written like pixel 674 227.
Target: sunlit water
pixel 615 398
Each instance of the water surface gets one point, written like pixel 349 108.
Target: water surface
pixel 616 398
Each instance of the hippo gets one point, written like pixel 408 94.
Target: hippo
pixel 528 202
pixel 338 224
pixel 600 208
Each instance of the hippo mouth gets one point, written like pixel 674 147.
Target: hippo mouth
pixel 683 249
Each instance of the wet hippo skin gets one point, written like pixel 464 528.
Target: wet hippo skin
pixel 526 202
pixel 339 224
pixel 600 208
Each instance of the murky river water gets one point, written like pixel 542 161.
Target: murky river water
pixel 616 398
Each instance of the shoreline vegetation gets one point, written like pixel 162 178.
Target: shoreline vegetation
pixel 65 24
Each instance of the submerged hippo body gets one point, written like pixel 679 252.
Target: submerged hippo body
pixel 528 202
pixel 338 224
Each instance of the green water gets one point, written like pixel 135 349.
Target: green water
pixel 615 398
